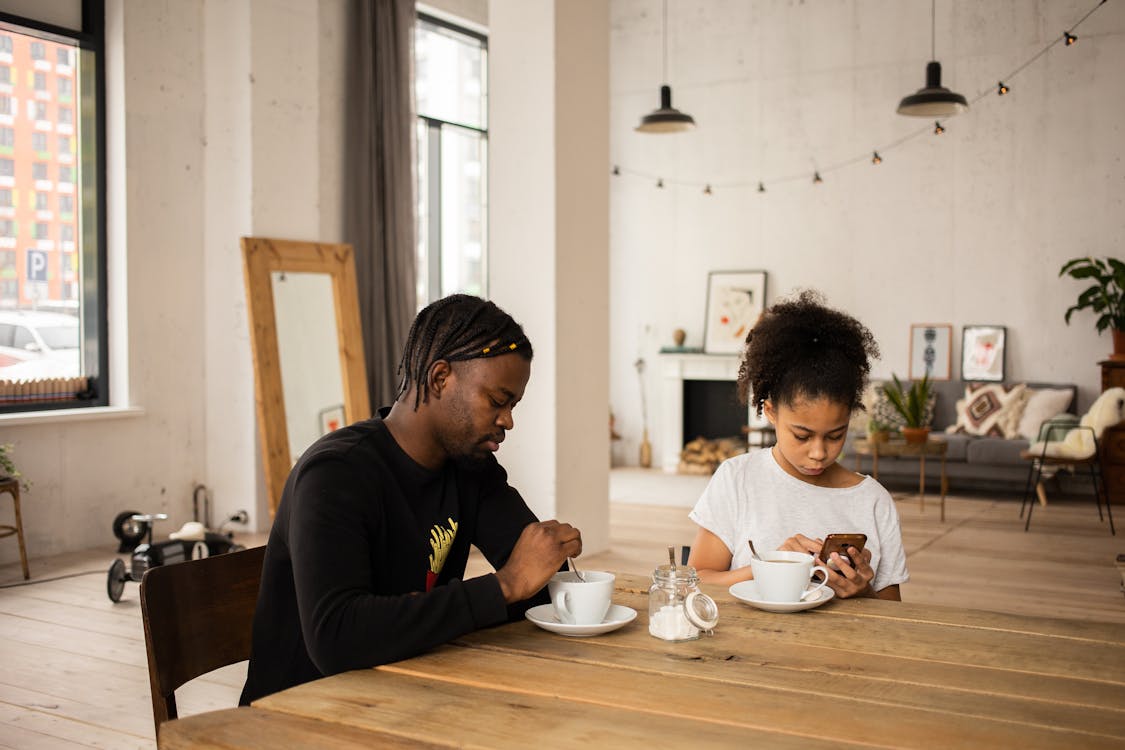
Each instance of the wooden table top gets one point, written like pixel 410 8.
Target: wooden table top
pixel 860 673
pixel 932 447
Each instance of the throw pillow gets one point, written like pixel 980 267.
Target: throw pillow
pixel 1043 404
pixel 987 408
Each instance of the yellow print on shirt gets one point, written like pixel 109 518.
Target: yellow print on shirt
pixel 441 540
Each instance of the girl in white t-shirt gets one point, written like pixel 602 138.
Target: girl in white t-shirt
pixel 806 366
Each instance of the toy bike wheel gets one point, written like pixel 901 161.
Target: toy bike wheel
pixel 115 582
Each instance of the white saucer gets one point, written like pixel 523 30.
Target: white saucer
pixel 747 591
pixel 544 616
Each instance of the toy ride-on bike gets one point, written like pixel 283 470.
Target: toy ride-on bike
pixel 191 542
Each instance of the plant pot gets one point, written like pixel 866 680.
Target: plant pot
pixel 915 435
pixel 879 436
pixel 1118 345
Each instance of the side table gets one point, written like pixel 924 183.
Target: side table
pixel 12 487
pixel 901 448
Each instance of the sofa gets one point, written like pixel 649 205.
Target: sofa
pixel 973 462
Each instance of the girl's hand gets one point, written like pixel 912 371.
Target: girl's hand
pixel 802 543
pixel 851 580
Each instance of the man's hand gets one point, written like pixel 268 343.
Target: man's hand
pixel 538 555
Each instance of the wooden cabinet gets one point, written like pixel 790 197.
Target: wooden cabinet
pixel 1112 443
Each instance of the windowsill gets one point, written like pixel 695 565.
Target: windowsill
pixel 71 415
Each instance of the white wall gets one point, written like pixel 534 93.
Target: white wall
pixel 217 112
pixel 967 228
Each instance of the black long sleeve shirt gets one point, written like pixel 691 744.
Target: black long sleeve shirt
pixel 366 556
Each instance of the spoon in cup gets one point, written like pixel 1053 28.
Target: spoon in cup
pixel 574 569
pixel 753 551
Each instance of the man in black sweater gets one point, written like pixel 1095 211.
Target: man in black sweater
pixel 367 552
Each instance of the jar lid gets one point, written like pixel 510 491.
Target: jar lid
pixel 701 611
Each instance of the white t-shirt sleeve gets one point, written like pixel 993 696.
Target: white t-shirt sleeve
pixel 717 508
pixel 892 562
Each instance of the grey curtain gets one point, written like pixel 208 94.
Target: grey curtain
pixel 379 204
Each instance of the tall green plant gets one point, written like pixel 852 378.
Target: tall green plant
pixel 1106 297
pixel 910 402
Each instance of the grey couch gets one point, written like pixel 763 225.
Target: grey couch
pixel 972 463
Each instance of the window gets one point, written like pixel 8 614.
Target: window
pixel 55 286
pixel 7 136
pixel 5 73
pixel 7 260
pixel 451 94
pixel 5 104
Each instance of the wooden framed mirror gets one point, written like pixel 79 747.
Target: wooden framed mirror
pixel 309 372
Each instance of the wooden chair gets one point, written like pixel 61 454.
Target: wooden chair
pixel 198 616
pixel 11 485
pixel 1040 459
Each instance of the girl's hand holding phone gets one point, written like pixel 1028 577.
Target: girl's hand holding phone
pixel 852 579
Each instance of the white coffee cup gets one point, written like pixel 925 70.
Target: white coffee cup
pixel 578 603
pixel 784 576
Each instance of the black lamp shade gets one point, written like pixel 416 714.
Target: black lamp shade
pixel 666 119
pixel 934 100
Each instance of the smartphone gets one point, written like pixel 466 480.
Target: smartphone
pixel 839 543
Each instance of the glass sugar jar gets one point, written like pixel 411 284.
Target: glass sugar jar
pixel 677 609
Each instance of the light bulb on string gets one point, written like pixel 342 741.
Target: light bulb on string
pixel 660 183
pixel 707 190
pixel 817 179
pixel 1069 38
pixel 761 187
pixel 1002 88
pixel 616 170
pixel 938 129
pixel 875 158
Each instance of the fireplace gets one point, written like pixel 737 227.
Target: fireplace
pixel 675 370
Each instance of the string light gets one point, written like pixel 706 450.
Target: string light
pixel 1068 38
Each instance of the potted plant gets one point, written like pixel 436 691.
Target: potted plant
pixel 1105 297
pixel 911 404
pixel 877 432
pixel 8 467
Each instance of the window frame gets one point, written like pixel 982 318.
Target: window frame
pixel 94 310
pixel 434 126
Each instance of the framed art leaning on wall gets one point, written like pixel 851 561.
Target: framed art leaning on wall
pixel 735 299
pixel 931 349
pixel 982 353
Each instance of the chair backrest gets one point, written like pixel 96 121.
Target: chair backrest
pixel 198 616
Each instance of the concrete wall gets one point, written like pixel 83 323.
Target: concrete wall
pixel 218 112
pixel 967 228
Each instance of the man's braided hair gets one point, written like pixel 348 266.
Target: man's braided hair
pixel 456 328
pixel 802 349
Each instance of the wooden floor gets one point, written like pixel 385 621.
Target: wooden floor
pixel 73 663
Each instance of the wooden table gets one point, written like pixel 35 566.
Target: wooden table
pixel 854 673
pixel 901 448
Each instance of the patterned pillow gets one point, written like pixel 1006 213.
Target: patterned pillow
pixel 883 411
pixel 990 409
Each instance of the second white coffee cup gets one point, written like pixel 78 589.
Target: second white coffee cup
pixel 578 603
pixel 784 576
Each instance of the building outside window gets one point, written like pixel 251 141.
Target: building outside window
pixel 7 136
pixel 451 97
pixel 57 285
pixel 5 73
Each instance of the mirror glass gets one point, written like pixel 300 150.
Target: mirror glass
pixel 309 372
pixel 308 355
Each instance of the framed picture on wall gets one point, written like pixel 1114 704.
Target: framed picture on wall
pixel 982 353
pixel 931 351
pixel 331 419
pixel 735 299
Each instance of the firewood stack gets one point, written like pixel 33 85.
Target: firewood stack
pixel 703 456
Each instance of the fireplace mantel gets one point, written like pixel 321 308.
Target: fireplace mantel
pixel 675 369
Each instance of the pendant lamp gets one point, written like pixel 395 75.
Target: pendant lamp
pixel 667 119
pixel 933 100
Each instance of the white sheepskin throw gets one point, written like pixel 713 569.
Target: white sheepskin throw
pixel 1107 411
